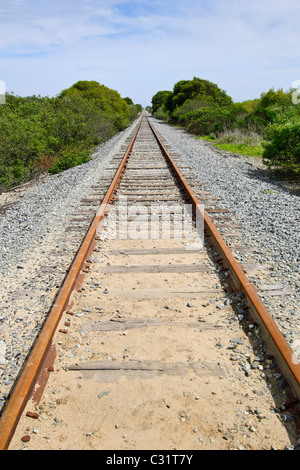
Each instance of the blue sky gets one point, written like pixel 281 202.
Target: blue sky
pixel 141 47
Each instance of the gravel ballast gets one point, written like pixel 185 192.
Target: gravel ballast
pixel 34 220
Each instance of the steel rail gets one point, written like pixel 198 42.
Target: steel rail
pixel 34 363
pixel 278 347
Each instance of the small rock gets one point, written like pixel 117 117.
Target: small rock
pixel 30 414
pixel 102 394
pixel 283 384
pixel 287 418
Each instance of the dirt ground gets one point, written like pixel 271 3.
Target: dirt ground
pixel 153 356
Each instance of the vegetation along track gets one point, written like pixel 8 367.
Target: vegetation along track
pixel 156 340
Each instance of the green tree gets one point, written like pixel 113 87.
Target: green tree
pixel 275 98
pixel 108 100
pixel 197 89
pixel 159 100
pixel 128 100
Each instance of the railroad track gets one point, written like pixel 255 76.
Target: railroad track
pixel 157 339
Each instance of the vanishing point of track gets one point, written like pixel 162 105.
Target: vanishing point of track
pixel 153 336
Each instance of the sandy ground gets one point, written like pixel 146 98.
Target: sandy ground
pixel 148 361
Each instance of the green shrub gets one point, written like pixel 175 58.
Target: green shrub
pixel 38 133
pixel 21 141
pixel 283 147
pixel 70 157
pixel 289 115
pixel 239 142
pixel 208 120
pixel 192 105
pixel 161 113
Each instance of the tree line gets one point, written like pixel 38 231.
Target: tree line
pixel 268 126
pixel 44 134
